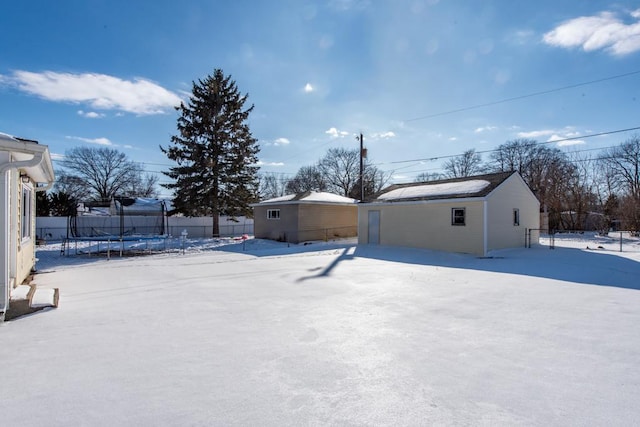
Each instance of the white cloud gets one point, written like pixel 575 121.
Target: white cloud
pixel 281 141
pixel 98 141
pixel 603 31
pixel 554 135
pixel 535 133
pixel 261 163
pixel 453 138
pixel 100 91
pixel 485 129
pixel 57 156
pixel 335 133
pixel 383 135
pixel 562 142
pixel 90 114
pixel 308 88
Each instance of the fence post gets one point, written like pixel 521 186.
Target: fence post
pixel 621 241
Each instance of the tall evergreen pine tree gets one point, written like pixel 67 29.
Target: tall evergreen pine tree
pixel 216 155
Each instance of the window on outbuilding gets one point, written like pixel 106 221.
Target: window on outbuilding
pixel 516 217
pixel 457 216
pixel 273 214
pixel 26 213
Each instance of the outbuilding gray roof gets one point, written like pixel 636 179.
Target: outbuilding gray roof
pixel 454 188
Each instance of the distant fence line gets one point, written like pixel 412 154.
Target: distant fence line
pixel 55 228
pixel 619 241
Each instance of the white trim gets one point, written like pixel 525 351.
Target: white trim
pixel 454 217
pixel 485 228
pixel 5 282
pixel 273 217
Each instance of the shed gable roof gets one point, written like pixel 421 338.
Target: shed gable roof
pixel 454 188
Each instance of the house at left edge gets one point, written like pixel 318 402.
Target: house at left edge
pixel 25 168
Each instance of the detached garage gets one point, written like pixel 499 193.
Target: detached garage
pixel 307 216
pixel 472 215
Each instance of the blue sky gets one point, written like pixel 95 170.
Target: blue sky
pixel 412 76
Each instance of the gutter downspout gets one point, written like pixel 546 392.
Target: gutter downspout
pixel 35 161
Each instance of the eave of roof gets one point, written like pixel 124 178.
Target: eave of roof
pixel 24 149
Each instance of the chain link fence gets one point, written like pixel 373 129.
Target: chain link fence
pixel 57 228
pixel 617 241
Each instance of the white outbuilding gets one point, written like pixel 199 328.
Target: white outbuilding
pixel 472 215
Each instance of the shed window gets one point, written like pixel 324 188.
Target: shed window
pixel 457 216
pixel 273 214
pixel 26 212
pixel 516 217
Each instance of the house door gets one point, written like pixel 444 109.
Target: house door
pixel 373 232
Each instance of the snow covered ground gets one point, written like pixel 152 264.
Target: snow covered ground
pixel 263 333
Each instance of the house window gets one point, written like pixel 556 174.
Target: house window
pixel 273 214
pixel 516 217
pixel 26 212
pixel 457 216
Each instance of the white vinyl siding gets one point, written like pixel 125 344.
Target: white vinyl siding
pixel 426 225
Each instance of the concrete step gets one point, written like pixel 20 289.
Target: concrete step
pixel 45 298
pixel 28 298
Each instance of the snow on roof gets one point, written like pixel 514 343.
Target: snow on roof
pixel 280 199
pixel 436 190
pixel 313 196
pixel 327 197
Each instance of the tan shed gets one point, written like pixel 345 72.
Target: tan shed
pixel 307 216
pixel 472 215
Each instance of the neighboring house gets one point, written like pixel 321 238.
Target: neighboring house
pixel 472 215
pixel 25 167
pixel 307 216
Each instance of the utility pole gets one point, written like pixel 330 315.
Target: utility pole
pixel 361 169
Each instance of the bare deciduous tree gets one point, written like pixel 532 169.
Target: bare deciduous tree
pixel 341 169
pixel 272 185
pixel 308 178
pixel 515 155
pixel 467 164
pixel 101 174
pixel 428 176
pixel 624 162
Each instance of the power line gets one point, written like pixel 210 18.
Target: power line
pixel 573 138
pixel 529 95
